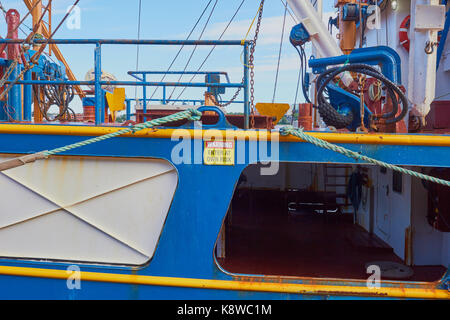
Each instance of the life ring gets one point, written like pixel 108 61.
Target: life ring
pixel 403 32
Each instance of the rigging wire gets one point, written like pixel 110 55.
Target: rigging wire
pixel 38 53
pixel 285 4
pixel 296 95
pixel 182 46
pixel 279 54
pixel 195 48
pixel 212 49
pixel 2 8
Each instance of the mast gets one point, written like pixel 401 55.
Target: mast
pixel 36 14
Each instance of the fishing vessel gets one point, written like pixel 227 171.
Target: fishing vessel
pixel 343 196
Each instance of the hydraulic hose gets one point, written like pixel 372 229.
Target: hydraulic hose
pixel 333 118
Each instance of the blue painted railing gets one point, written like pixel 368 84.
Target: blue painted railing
pixel 97 83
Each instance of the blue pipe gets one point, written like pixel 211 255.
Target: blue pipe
pixel 389 59
pixel 441 46
pixel 135 73
pixel 144 97
pixel 98 87
pixel 182 100
pixel 164 95
pixel 176 72
pixel 133 83
pixel 128 109
pixel 246 93
pixel 14 107
pixel 133 42
pixel 27 97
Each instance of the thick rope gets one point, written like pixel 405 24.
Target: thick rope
pixel 189 114
pixel 289 130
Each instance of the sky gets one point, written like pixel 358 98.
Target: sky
pixel 173 20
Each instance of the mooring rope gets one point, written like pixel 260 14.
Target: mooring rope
pixel 289 130
pixel 189 114
pixel 195 115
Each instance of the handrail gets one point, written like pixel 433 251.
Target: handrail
pixel 98 83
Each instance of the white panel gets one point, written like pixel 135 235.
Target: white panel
pixel 67 181
pixel 114 209
pixel 14 208
pixel 61 236
pixel 132 214
pixel 430 17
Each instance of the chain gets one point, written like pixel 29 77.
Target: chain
pixel 362 82
pixel 252 67
pixel 231 100
pixel 252 72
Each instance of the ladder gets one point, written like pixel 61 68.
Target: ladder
pixel 336 178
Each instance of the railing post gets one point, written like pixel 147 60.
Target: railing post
pixel 246 93
pixel 99 112
pixel 144 97
pixel 164 95
pixel 128 109
pixel 14 107
pixel 27 97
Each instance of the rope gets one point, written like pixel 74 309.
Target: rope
pixel 289 130
pixel 251 24
pixel 189 114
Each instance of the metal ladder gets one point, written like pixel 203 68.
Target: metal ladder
pixel 338 182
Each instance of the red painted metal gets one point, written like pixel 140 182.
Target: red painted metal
pixel 261 122
pixel 13 20
pixel 89 114
pixel 439 115
pixel 305 116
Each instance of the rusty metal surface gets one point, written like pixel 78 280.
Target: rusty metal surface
pixel 261 122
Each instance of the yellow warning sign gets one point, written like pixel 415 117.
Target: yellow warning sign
pixel 219 153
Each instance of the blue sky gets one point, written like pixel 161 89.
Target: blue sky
pixel 174 20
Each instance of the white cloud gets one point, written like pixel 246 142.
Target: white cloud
pixel 270 32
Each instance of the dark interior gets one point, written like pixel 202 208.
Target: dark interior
pixel 265 236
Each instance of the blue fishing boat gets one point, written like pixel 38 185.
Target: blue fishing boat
pixel 343 196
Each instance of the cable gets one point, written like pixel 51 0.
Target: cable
pixel 59 95
pixel 296 94
pixel 289 10
pixel 195 48
pixel 212 49
pixel 303 70
pixel 279 54
pixel 181 48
